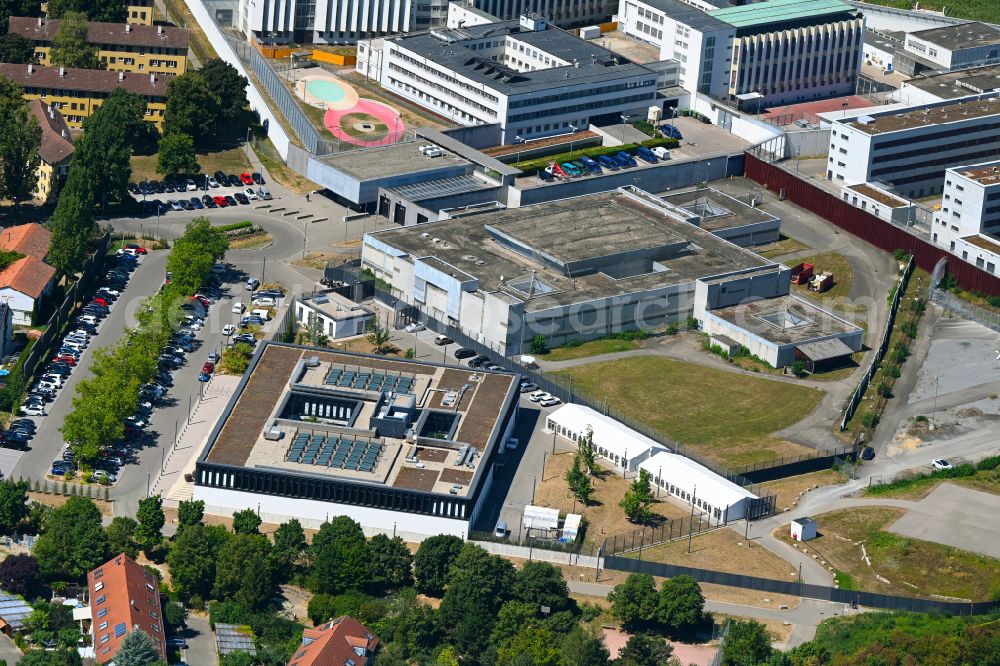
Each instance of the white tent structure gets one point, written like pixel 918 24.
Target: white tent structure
pixel 683 478
pixel 620 445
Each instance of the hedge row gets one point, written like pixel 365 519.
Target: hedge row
pixel 235 225
pixel 532 166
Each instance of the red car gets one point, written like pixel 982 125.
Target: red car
pixel 220 201
pixel 100 301
pixel 246 178
pixel 208 368
pixel 134 246
pixel 65 358
pixel 202 299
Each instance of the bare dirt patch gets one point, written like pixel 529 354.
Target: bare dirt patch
pixel 721 550
pixel 791 489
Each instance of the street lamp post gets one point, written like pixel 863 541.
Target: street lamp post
pixel 518 141
pixel 624 120
pixel 572 140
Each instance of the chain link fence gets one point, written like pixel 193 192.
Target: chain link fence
pixel 951 303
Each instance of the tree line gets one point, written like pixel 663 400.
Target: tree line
pixel 104 400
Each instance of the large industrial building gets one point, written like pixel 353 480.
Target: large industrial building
pixel 531 78
pixel 948 48
pixel 908 149
pixel 578 269
pixel 754 54
pixel 968 223
pixel 401 446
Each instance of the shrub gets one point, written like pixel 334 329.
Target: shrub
pixel 920 418
pixel 672 329
pixel 893 371
pixel 870 420
pixel 988 464
pixel 901 255
pixel 637 334
pixel 692 323
pixel 799 368
pixel 539 344
pixel 236 225
pixel 572 342
pixel 909 329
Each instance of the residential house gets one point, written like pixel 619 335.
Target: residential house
pixel 124 597
pixel 56 149
pixel 340 642
pixel 28 280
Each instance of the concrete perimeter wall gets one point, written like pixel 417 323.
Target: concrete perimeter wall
pixel 275 131
pixel 524 552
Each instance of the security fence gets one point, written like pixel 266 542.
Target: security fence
pixel 876 360
pixel 988 317
pixel 800 589
pixel 669 530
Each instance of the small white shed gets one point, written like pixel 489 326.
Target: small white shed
pixel 540 518
pixel 571 527
pixel 803 529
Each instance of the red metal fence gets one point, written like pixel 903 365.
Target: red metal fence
pixel 866 226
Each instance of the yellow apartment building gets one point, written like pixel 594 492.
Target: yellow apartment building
pixel 55 151
pixel 121 47
pixel 76 93
pixel 140 12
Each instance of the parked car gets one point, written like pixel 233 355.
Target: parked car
pixel 135 246
pixel 246 178
pixel 190 185
pixel 250 194
pixel 175 205
pixel 264 194
pixel 608 163
pixel 228 329
pixel 868 453
pixel 571 169
pixel 220 201
pixel 242 198
pixel 545 176
pixel 528 387
pixel 443 340
pixel 670 132
pixel 221 178
pixel 233 180
pixel 625 159
pixel 212 182
pixel 252 284
pixel 477 361
pixel 230 201
pixel 463 353
pixel 941 464
pixel 196 203
pixel 539 395
pixel 208 367
pixel 33 409
pixel 257 178
pixel 591 164
pixel 414 327
pixel 646 155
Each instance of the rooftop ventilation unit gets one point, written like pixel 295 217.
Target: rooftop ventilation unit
pixel 312 362
pixel 272 434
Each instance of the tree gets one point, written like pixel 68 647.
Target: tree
pixel 137 649
pixel 238 658
pixel 582 647
pixel 243 571
pixel 149 533
pixel 16 49
pixel 391 562
pixel 72 224
pixel 70 47
pixel 13 504
pixel 174 614
pixel 681 604
pixel 579 483
pixel 433 561
pixel 19 574
pixel 193 108
pixel 539 345
pixel 377 335
pixel 588 451
pixel 747 644
pixel 60 657
pixel 246 522
pixel 189 512
pixel 105 149
pixel 20 138
pixel 542 584
pixel 192 559
pixel 236 359
pixel 339 555
pixel 364 608
pixel 478 585
pixel 638 499
pixel 229 85
pixel 645 650
pixel 289 544
pixel 121 536
pixel 513 616
pixel 634 602
pixel 109 11
pixel 176 155
pixel 538 643
pixel 72 541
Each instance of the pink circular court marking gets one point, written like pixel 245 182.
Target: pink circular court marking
pixel 385 114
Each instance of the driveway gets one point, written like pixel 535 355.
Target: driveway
pixel 8 651
pixel 955 516
pixel 201 642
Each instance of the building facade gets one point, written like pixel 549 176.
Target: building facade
pixel 121 47
pixel 124 597
pixel 55 151
pixel 76 93
pixel 331 315
pixel 774 52
pixel 968 223
pixel 908 149
pixel 949 48
pixel 335 21
pixel 140 12
pixel 565 13
pixel 26 282
pixel 531 78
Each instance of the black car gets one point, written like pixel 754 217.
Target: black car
pixel 208 201
pixel 28 423
pixel 477 361
pixel 196 203
pixel 230 201
pixel 186 205
pixel 221 178
pixel 242 198
pixel 462 353
pixel 868 453
pixel 168 187
pixel 157 186
pixel 257 178
pixel 234 180
pixel 134 188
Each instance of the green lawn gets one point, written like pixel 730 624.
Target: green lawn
pixel 231 160
pixel 831 262
pixel 592 348
pixel 721 415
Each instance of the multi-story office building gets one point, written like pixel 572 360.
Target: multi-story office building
pixel 564 13
pixel 968 222
pixel 948 48
pixel 533 79
pixel 773 52
pixel 121 47
pixel 909 149
pixel 336 21
pixel 76 93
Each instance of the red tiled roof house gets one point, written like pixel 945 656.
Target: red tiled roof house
pixel 340 642
pixel 29 279
pixel 124 597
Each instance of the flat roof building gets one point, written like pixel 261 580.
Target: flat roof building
pixel 941 86
pixel 968 223
pixel 761 53
pixel 531 78
pixel 909 148
pixel 77 93
pixel 121 47
pixel 577 268
pixel 124 597
pixel 621 446
pixel 400 446
pixel 332 315
pixel 718 498
pixel 960 46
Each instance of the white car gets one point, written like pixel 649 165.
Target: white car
pixel 251 194
pixel 196 325
pixel 415 328
pixel 550 401
pixel 538 396
pixel 228 329
pixel 941 463
pixel 212 182
pixel 32 410
pixel 238 307
pixel 265 302
pixel 57 380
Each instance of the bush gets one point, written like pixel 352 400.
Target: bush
pixel 901 255
pixel 572 343
pixel 672 329
pixel 539 345
pixel 236 225
pixel 870 420
pixel 799 368
pixel 988 464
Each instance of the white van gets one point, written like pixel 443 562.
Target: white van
pixel 661 153
pixel 261 313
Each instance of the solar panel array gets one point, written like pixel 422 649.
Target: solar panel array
pixel 368 381
pixel 331 451
pixel 13 610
